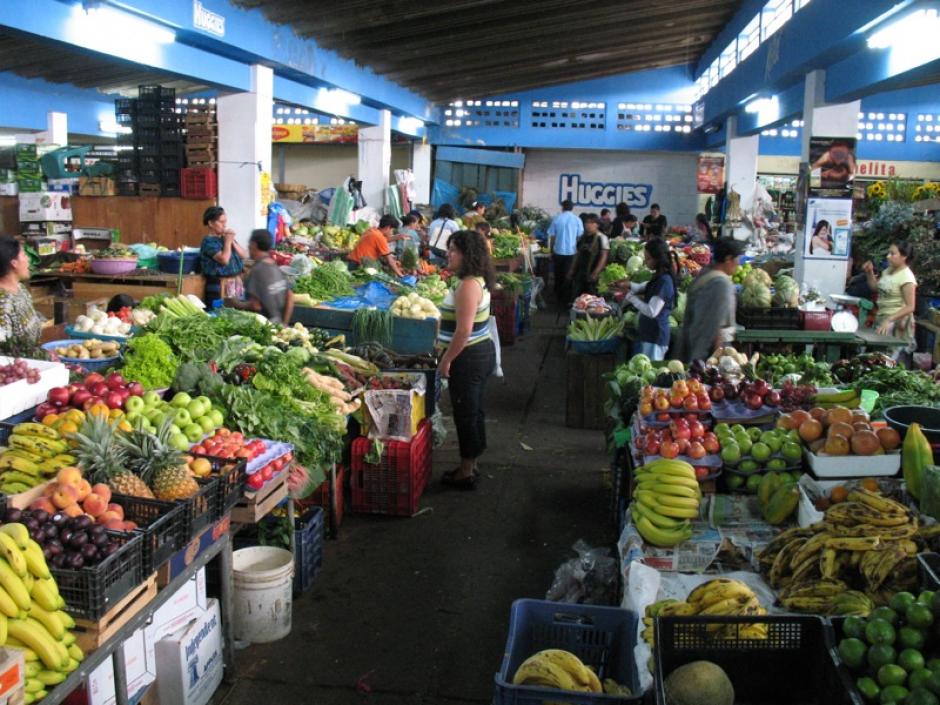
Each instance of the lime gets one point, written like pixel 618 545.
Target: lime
pixel 919 616
pixel 880 655
pixel 901 601
pixel 893 694
pixel 852 652
pixel 854 627
pixel 868 688
pixel 891 674
pixel 926 597
pixel 934 664
pixel 910 660
pixel 879 631
pixel 918 679
pixel 910 638
pixel 933 683
pixel 935 604
pixel 885 613
pixel 921 696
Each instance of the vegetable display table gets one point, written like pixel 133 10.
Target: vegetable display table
pixel 89 287
pixel 830 341
pixel 410 336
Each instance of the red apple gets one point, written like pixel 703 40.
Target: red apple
pixel 663 416
pixel 772 398
pixel 683 444
pixel 711 444
pixel 696 450
pixel 754 401
pixel 91 401
pixel 696 429
pixel 136 389
pixel 99 389
pixel 115 380
pixel 716 393
pixel 691 417
pixel 681 432
pixel 690 403
pixel 80 397
pixel 669 450
pixel 652 447
pixel 93 378
pixel 113 399
pixel 255 481
pixel 701 472
pixel 704 403
pixel 760 387
pixel 44 409
pixel 58 395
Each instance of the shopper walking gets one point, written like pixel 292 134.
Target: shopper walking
pixel 470 355
pixel 590 259
pixel 710 304
pixel 654 300
pixel 563 234
pixel 897 294
pixel 654 225
pixel 439 232
pixel 221 258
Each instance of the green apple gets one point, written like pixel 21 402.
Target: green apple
pixel 731 453
pixel 196 409
pixel 738 428
pixel 217 418
pixel 179 441
pixel 134 404
pixel 794 436
pixel 180 400
pixel 775 443
pixel 722 428
pixel 777 464
pixel 748 465
pixel 193 432
pixel 182 418
pixel 761 452
pixel 734 482
pixel 154 416
pixel 206 423
pixel 754 433
pixel 151 399
pixel 753 482
pixel 205 401
pixel 744 443
pixel 791 451
pixel 174 429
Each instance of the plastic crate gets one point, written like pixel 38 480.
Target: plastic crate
pixel 503 307
pixel 524 313
pixel 928 569
pixel 170 190
pixel 394 486
pixel 161 524
pixel 155 92
pixel 198 182
pixel 169 262
pixel 160 120
pixel 126 188
pixel 792 665
pixel 230 473
pixel 816 320
pixel 308 548
pixel 93 590
pixel 202 508
pixel 776 318
pixel 602 637
pixel 173 161
pixel 596 347
pixel 321 497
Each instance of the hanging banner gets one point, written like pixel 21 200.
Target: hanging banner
pixel 310 134
pixel 832 166
pixel 828 230
pixel 710 173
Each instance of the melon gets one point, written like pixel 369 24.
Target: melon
pixel 755 296
pixel 758 276
pixel 699 683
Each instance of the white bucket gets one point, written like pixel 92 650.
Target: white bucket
pixel 263 577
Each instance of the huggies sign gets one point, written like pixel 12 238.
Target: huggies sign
pixel 602 194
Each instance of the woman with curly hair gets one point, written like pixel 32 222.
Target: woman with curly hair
pixel 470 355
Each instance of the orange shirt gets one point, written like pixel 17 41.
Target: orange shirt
pixel 372 245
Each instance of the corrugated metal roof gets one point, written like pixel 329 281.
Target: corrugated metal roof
pixel 478 48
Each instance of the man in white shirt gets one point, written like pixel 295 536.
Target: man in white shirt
pixel 563 236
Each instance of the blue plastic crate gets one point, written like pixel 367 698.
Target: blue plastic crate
pixel 602 637
pixel 308 548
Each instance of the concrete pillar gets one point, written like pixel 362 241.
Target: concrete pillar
pixel 741 157
pixel 375 160
pixel 421 167
pixel 841 120
pixel 57 129
pixel 245 121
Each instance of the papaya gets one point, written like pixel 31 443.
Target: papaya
pixel 782 503
pixel 916 454
pixel 768 483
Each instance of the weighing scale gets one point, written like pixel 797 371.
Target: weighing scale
pixel 846 320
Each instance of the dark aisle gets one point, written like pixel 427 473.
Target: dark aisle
pixel 415 611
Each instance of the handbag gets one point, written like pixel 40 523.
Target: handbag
pixel 434 246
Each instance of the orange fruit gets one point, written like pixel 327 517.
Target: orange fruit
pixel 838 494
pixel 49 419
pixel 871 484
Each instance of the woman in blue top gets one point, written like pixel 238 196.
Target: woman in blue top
pixel 657 302
pixel 220 257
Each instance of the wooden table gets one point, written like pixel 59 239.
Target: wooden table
pixel 935 329
pixel 831 341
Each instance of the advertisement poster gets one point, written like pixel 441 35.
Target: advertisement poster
pixel 344 134
pixel 832 166
pixel 828 231
pixel 710 173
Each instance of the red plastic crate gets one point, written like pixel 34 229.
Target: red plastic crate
pixel 503 306
pixel 198 182
pixel 321 496
pixel 395 485
pixel 817 320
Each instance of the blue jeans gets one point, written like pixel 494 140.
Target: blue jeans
pixel 651 350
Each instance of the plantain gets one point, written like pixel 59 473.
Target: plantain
pixel 809 549
pixel 859 543
pixel 782 560
pixel 828 563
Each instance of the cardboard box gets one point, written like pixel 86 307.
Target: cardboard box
pixel 185 605
pixel 9 189
pixel 97 186
pixel 12 677
pixel 45 205
pixel 185 556
pixel 189 662
pixel 845 466
pixel 100 683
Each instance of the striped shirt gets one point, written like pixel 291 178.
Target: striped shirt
pixel 480 330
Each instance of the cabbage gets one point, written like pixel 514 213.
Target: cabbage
pixel 635 263
pixel 301 266
pixel 679 311
pixel 786 292
pixel 676 367
pixel 612 273
pixel 640 363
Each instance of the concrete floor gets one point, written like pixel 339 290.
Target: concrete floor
pixel 416 611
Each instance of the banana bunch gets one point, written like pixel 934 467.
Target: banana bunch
pixel 849 398
pixel 31 614
pixel 665 498
pixel 34 453
pixel 593 329
pixel 868 542
pixel 555 668
pixel 721 597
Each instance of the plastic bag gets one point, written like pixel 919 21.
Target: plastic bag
pixel 494 335
pixel 930 491
pixel 589 579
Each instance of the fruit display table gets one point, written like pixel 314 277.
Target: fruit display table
pixel 831 341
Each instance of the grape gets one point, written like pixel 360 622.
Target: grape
pixel 17 370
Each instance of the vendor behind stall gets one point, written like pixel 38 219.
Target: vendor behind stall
pixel 221 257
pixel 373 245
pixel 20 324
pixel 266 288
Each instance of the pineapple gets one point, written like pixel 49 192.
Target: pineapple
pixel 104 459
pixel 159 463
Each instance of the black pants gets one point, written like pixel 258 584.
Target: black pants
pixel 468 375
pixel 561 265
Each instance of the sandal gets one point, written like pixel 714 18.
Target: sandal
pixel 450 479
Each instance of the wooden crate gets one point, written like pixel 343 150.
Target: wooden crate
pixel 191 119
pixel 91 635
pixel 257 505
pixel 200 133
pixel 586 389
pixel 409 336
pixel 145 189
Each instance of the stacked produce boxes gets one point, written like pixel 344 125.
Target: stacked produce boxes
pixel 149 163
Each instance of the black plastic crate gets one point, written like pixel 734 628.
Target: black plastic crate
pixel 162 525
pixel 308 548
pixel 148 149
pixel 150 176
pixel 170 175
pixel 928 569
pixel 170 190
pixel 157 135
pixel 172 149
pixel 174 160
pixel 776 318
pixel 149 161
pixel 792 665
pixel 202 508
pixel 155 92
pixel 231 474
pixel 91 591
pixel 160 120
pixel 126 188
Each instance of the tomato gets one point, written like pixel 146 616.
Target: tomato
pixel 237 436
pixel 267 472
pixel 199 449
pixel 255 481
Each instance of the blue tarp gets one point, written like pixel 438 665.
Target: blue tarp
pixel 444 192
pixel 371 295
